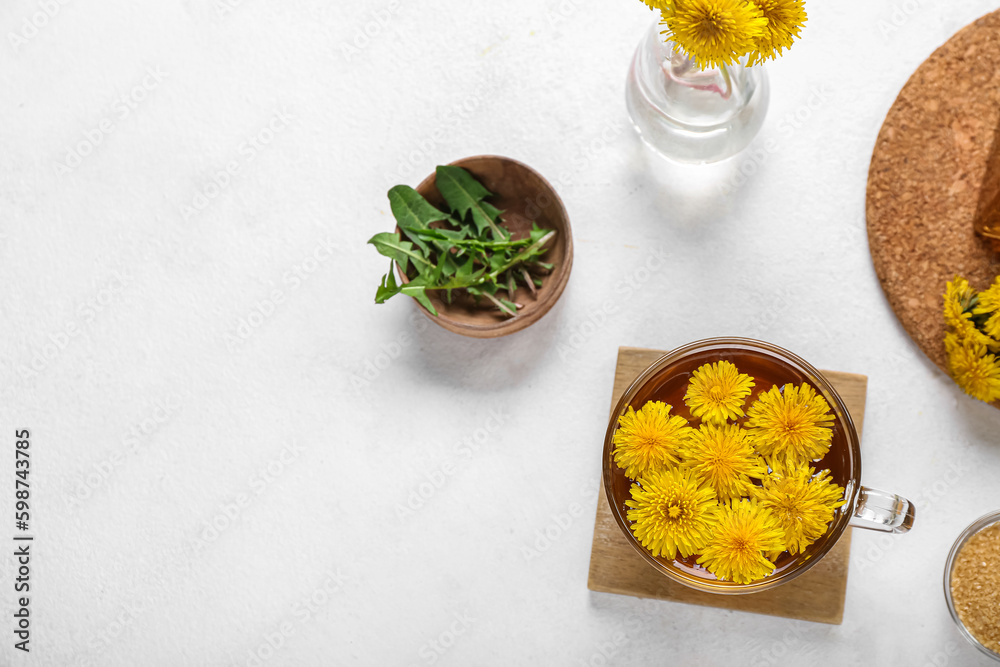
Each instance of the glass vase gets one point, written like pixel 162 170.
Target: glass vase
pixel 688 114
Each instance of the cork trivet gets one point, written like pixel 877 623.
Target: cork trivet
pixel 928 168
pixel 615 567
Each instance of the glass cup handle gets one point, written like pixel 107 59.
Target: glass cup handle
pixel 887 512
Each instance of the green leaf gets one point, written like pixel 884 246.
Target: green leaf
pixel 413 213
pixel 537 248
pixel 498 260
pixel 444 239
pixel 506 307
pixel 451 234
pixel 510 306
pixel 487 288
pixel 411 210
pixel 494 214
pixel 537 232
pixel 419 292
pixel 464 194
pixel 445 269
pixel 390 245
pixel 388 288
pixel 465 270
pixel 448 266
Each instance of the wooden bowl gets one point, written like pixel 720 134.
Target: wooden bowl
pixel 525 197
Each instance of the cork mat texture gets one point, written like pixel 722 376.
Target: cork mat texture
pixel 924 183
pixel 615 567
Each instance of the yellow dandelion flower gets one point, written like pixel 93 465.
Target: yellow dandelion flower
pixel 974 370
pixel 785 19
pixel 714 32
pixel 959 301
pixel 744 532
pixel 672 512
pixel 717 392
pixel 664 6
pixel 793 423
pixel 802 501
pixel 649 439
pixel 723 457
pixel 989 305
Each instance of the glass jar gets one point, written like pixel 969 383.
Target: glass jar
pixel 978 525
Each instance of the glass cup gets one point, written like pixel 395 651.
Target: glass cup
pixel 978 525
pixel 864 507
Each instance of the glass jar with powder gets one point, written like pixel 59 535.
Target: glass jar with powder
pixel 972 584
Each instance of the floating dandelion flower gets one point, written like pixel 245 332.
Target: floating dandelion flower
pixel 792 423
pixel 744 532
pixel 802 501
pixel 649 439
pixel 717 392
pixel 672 512
pixel 724 458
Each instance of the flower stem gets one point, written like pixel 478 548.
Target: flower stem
pixel 728 92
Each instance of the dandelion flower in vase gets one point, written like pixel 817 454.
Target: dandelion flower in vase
pixel 664 6
pixel 744 532
pixel 714 33
pixel 717 392
pixel 723 457
pixel 672 512
pixel 785 20
pixel 649 439
pixel 988 307
pixel 802 501
pixel 792 423
pixel 975 370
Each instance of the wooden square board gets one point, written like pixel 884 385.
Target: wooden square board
pixel 615 567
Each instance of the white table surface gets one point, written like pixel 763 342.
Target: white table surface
pixel 226 364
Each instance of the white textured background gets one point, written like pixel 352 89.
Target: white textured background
pixel 226 365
